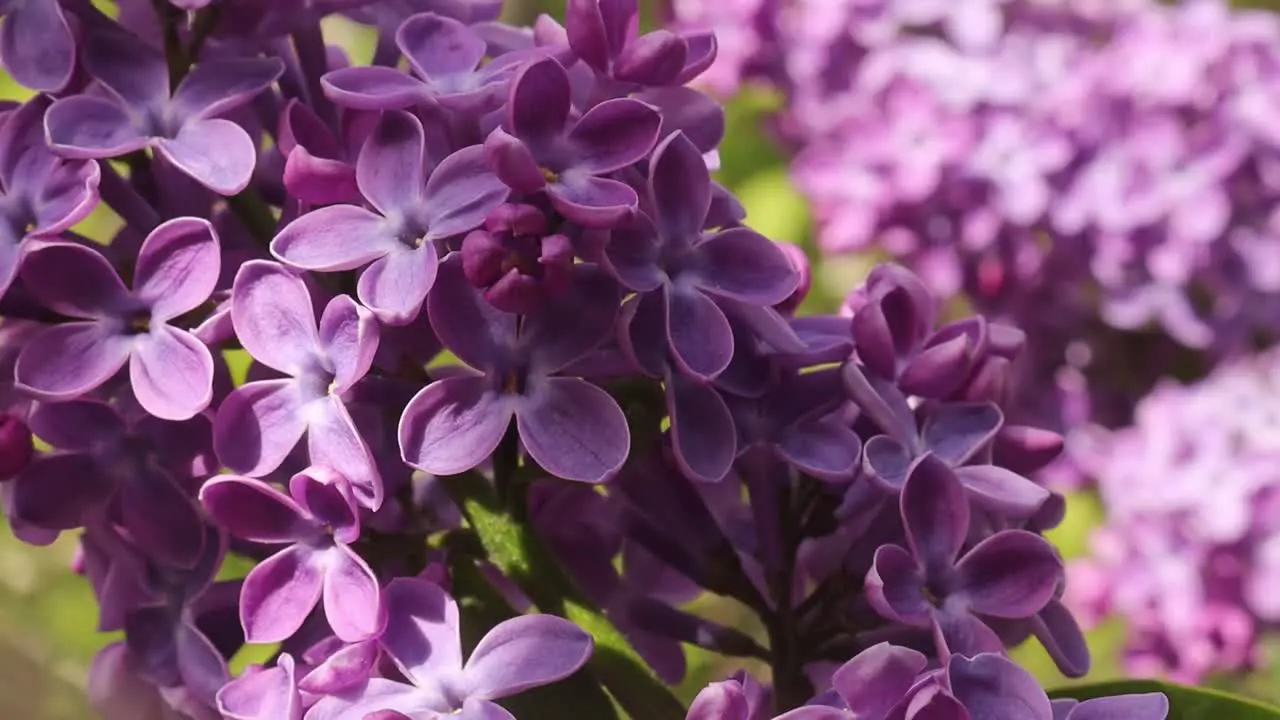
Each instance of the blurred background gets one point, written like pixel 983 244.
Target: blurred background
pixel 1105 174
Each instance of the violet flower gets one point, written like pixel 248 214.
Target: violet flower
pixel 261 422
pixel 1011 574
pixel 319 165
pixel 604 35
pixel 170 371
pixel 417 202
pixel 670 254
pixel 139 111
pixel 517 260
pixel 422 639
pixel 541 146
pixel 41 195
pixel 317 520
pixel 570 427
pixel 36 44
pixel 268 694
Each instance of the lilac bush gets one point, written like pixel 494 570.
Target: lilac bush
pixel 486 379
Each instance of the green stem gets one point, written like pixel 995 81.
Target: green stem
pixel 521 556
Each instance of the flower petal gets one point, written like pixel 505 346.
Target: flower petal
pixel 349 337
pixel 895 587
pixel 655 58
pixel 395 285
pixel 131 68
pixel 279 593
pixel 319 180
pixel 258 425
pixel 720 701
pixel 877 678
pixel 57 492
pixel 77 424
pixel 1144 706
pixel 352 599
pixel 743 264
pixel 270 693
pixel 935 511
pixel 66 361
pixel 468 326
pixel 991 685
pixel 76 281
pixel 886 462
pixel 525 652
pixel 956 431
pixel 511 161
pixel 178 267
pixel 681 187
pixel 171 373
pixel 215 86
pixel 372 88
pixel 454 424
pixel 702 431
pixel 373 699
pixel 822 448
pixel 252 510
pixel 389 170
pixel 423 630
pixel 273 317
pixel 216 153
pixel 333 441
pixel 592 300
pixel 335 238
pixel 39 49
pixel 162 518
pixel 594 202
pixel 699 334
pixel 612 135
pixel 439 46
pixel 1060 634
pixel 461 192
pixel 540 101
pixel 998 490
pixel 1012 574
pixel 573 429
pixel 87 126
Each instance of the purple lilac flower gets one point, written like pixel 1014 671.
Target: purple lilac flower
pixel 516 258
pixel 170 371
pixel 541 147
pixel 604 34
pixel 417 200
pixel 319 161
pixel 317 520
pixel 422 639
pixel 570 427
pixel 139 111
pixel 43 195
pixel 261 422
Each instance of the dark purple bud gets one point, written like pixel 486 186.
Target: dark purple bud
pixel 515 261
pixel 15 445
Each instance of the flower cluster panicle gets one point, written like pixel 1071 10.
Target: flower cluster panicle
pixel 1189 552
pixel 431 347
pixel 1099 174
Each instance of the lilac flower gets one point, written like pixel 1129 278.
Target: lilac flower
pixel 42 194
pixel 517 259
pixel 422 639
pixel 138 111
pixel 37 45
pixel 319 165
pixel 261 422
pixel 871 685
pixel 570 427
pixel 269 694
pixel 542 147
pixel 1011 574
pixel 604 35
pixel 171 372
pixel 446 55
pixel 317 520
pixel 133 471
pixel 417 202
pixel 671 255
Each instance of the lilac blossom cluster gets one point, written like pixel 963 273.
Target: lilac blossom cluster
pixel 1190 551
pixel 1101 174
pixel 521 384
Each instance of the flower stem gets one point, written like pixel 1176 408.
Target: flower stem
pixel 255 214
pixel 515 549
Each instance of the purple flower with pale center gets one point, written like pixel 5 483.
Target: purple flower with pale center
pixel 1011 574
pixel 871 686
pixel 517 260
pixel 691 270
pixel 605 35
pixel 171 372
pixel 268 694
pixel 542 146
pixel 134 472
pixel 137 111
pixel 317 520
pixel 417 202
pixel 446 55
pixel 261 422
pixel 422 639
pixel 36 44
pixel 570 427
pixel 41 195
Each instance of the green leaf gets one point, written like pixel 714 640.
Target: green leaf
pixel 1185 703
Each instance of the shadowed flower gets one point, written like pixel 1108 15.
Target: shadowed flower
pixel 36 44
